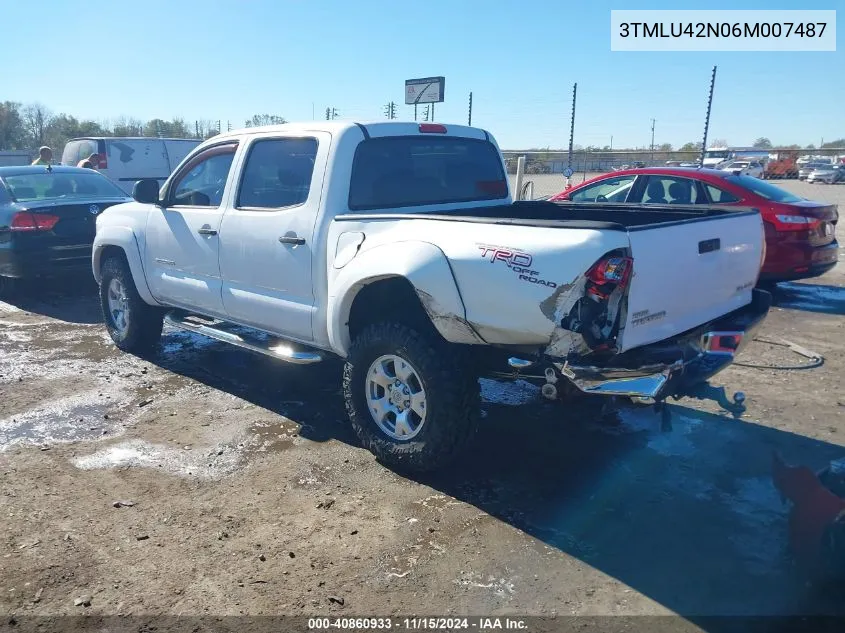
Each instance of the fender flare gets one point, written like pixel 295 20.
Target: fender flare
pixel 124 238
pixel 424 266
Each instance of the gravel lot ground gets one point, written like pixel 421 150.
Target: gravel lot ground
pixel 249 494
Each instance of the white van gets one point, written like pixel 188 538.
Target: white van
pixel 126 160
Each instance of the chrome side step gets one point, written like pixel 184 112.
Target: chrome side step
pixel 219 332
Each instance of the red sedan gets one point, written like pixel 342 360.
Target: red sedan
pixel 800 234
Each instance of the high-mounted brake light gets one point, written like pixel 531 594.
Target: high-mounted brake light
pixel 432 128
pixel 24 221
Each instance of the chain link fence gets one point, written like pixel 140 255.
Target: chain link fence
pixel 545 172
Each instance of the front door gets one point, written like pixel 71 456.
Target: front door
pixel 266 237
pixel 182 248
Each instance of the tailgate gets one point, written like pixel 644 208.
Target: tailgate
pixel 689 273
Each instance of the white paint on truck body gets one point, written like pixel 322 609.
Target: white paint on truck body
pixel 480 281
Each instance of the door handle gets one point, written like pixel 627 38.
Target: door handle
pixel 206 231
pixel 292 239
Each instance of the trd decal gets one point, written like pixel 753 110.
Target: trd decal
pixel 517 261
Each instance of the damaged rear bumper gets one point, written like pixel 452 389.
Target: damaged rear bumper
pixel 675 366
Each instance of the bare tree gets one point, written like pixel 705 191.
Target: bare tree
pixel 36 119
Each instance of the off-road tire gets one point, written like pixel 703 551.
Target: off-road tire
pixel 452 396
pixel 144 323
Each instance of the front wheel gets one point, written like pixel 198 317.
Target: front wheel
pixel 412 399
pixel 133 325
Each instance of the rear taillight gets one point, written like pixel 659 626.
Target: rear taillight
pixel 30 222
pixel 102 163
pixel 608 274
pixel 798 222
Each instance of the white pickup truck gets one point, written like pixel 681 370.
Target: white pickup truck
pixel 397 247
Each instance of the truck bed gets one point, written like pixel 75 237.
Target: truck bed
pixel 588 215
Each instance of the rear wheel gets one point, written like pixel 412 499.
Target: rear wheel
pixel 133 325
pixel 412 399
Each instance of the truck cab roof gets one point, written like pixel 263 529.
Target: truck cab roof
pixel 369 128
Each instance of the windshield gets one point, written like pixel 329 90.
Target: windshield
pixel 739 165
pixel 62 186
pixel 763 188
pixel 716 154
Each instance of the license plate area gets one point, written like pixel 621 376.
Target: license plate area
pixel 722 342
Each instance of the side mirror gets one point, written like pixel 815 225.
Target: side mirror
pixel 146 191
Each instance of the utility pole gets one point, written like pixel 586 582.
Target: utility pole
pixel 571 134
pixel 228 126
pixel 197 128
pixel 328 113
pixel 611 142
pixel 218 126
pixel 415 112
pixel 469 122
pixel 390 110
pixel 652 141
pixel 707 118
pixel 334 113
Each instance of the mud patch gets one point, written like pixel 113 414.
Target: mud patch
pixel 274 436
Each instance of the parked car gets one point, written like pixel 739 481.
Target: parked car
pixel 800 234
pixel 396 246
pixel 748 168
pixel 828 174
pixel 127 160
pixel 809 168
pixel 47 220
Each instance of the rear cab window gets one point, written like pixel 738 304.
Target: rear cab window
pixel 409 171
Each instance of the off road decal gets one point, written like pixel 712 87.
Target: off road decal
pixel 517 261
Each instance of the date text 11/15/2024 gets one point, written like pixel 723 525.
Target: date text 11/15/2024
pixel 418 624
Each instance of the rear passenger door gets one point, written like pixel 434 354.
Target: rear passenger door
pixel 267 237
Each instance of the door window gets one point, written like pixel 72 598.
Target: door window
pixel 202 181
pixel 277 173
pixel 608 190
pixel 720 196
pixel 671 190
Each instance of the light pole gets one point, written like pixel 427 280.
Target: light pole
pixel 652 140
pixel 611 143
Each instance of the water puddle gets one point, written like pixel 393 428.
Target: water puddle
pixel 70 419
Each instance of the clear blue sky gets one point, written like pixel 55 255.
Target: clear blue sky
pixel 229 60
